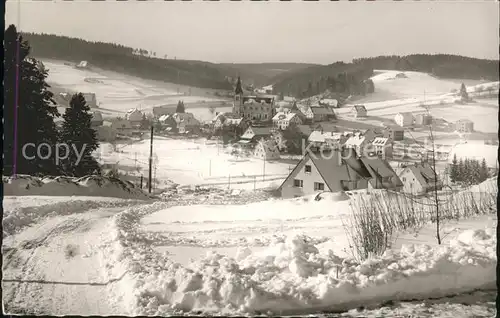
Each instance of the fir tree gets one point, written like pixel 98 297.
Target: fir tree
pixel 461 170
pixel 180 107
pixel 454 172
pixel 463 92
pixel 78 134
pixel 238 90
pixel 484 173
pixel 35 111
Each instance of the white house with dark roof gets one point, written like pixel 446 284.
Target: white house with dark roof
pixel 358 143
pixel 254 134
pixel 283 120
pixel 419 179
pixel 341 170
pixel 267 150
pixel 382 147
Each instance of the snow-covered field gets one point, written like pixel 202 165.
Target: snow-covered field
pixel 197 161
pixel 117 93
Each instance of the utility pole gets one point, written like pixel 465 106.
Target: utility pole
pixel 264 168
pixel 150 159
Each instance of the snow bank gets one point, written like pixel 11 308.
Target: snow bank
pixel 66 186
pixel 293 277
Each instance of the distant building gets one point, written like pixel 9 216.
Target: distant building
pixel 358 143
pixel 396 133
pixel 134 116
pixel 419 179
pixel 90 99
pixel 329 103
pixel 341 170
pixel 97 119
pixel 122 127
pixel 326 127
pixel 322 113
pixel 464 126
pixel 267 150
pixel 254 134
pixel 359 111
pixel 307 113
pixel 404 119
pixel 382 147
pixel 186 122
pixel 423 119
pixel 326 140
pixel 371 134
pixel 283 120
pixel 168 121
pixel 254 108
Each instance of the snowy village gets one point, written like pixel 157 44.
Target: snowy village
pixel 140 182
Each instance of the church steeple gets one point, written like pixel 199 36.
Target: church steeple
pixel 238 97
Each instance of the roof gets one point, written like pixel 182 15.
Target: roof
pixel 232 121
pixel 318 136
pixel 327 127
pixel 464 120
pixel 359 108
pixel 284 116
pixel 164 117
pixel 321 111
pixel 355 141
pixel 476 151
pixel 380 169
pixel 304 129
pixel 380 141
pixel 423 173
pixel 405 114
pixel 329 101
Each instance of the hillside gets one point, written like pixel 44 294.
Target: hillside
pixel 119 58
pixel 315 79
pixel 259 74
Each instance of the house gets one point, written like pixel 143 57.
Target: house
pixel 419 179
pixel 359 111
pixel 159 111
pixel 371 134
pixel 464 126
pixel 186 122
pixel 404 119
pixel 283 120
pixel 122 127
pixel 423 119
pixel 382 147
pixel 326 127
pixel 267 150
pixel 134 116
pixel 90 99
pixel 358 143
pixel 333 103
pixel 307 113
pixel 394 132
pixel 326 140
pixel 255 108
pixel 168 121
pixel 322 113
pixel 96 119
pixel 341 170
pixel 253 134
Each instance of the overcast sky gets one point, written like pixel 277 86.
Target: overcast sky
pixel 313 32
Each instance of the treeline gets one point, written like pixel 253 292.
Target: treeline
pixel 122 59
pixel 468 171
pixel 349 78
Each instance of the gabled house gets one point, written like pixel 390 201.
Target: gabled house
pixel 341 170
pixel 359 111
pixel 134 116
pixel 253 134
pixel 283 120
pixel 382 147
pixel 168 121
pixel 186 122
pixel 464 126
pixel 307 113
pixel 322 113
pixel 326 140
pixel 404 119
pixel 420 179
pixel 267 150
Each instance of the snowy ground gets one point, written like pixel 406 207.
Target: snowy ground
pixel 197 161
pixel 117 93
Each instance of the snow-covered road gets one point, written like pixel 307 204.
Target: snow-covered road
pixel 58 267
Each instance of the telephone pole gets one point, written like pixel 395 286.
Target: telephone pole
pixel 150 160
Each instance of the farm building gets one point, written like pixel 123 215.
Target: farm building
pixel 404 119
pixel 331 173
pixel 359 111
pixel 464 126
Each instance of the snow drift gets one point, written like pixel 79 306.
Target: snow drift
pixel 293 277
pixel 92 185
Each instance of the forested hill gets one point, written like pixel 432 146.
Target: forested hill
pixel 121 59
pixel 348 77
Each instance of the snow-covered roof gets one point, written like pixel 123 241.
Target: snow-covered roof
pixel 318 136
pixel 359 108
pixel 380 141
pixel 355 141
pixel 284 116
pixel 163 117
pixel 329 101
pixel 476 151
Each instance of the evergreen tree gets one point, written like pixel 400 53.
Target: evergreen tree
pixel 180 107
pixel 463 92
pixel 484 173
pixel 35 111
pixel 78 134
pixel 238 90
pixel 475 172
pixel 454 170
pixel 145 124
pixel 461 170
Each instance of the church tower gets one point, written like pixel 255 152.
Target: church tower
pixel 238 98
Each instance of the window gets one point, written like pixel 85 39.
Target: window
pixel 298 183
pixel 404 179
pixel 307 169
pixel 319 186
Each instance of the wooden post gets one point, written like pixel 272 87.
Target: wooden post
pixel 150 160
pixel 141 181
